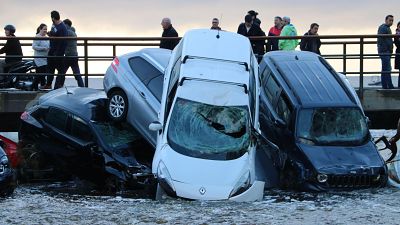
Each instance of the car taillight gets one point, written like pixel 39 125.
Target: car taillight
pixel 24 116
pixel 114 64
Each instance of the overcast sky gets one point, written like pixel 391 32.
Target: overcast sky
pixel 142 18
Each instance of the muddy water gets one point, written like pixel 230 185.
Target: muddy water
pixel 75 203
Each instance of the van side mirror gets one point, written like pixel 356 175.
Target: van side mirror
pixel 280 123
pixel 155 126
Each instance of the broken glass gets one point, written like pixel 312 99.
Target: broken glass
pixel 116 135
pixel 332 126
pixel 208 131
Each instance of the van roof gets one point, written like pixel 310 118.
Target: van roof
pixel 312 81
pixel 215 44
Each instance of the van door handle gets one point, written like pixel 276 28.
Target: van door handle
pixel 142 94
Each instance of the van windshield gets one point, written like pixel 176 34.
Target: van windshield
pixel 207 131
pixel 332 126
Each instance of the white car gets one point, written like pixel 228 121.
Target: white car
pixel 209 111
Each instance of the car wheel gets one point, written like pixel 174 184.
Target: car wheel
pixel 117 107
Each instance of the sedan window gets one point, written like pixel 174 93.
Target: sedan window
pixel 57 118
pixel 143 69
pixel 80 129
pixel 156 86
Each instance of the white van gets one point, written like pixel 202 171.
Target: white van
pixel 209 110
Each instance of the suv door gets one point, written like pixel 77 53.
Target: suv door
pixel 147 105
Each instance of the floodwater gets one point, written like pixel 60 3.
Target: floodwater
pixel 75 203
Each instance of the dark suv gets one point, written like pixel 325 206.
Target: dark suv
pixel 313 121
pixel 69 132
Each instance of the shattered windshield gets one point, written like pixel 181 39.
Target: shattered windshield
pixel 207 131
pixel 116 135
pixel 332 126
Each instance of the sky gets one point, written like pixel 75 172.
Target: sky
pixel 142 18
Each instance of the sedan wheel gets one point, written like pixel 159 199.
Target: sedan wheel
pixel 118 106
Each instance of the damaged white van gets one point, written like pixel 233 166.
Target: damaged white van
pixel 209 109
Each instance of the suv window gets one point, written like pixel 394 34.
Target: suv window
pixel 57 118
pixel 272 89
pixel 143 69
pixel 80 129
pixel 284 109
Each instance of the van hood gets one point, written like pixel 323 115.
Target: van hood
pixel 343 159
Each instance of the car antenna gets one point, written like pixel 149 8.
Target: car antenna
pixel 68 93
pixel 220 19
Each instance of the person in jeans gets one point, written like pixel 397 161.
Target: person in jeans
pixel 397 58
pixel 41 49
pixel 385 50
pixel 70 52
pixel 57 48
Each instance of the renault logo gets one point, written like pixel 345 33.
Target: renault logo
pixel 202 190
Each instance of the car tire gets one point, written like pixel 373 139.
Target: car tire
pixel 117 106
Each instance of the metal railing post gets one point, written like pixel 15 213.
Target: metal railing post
pixel 85 44
pixel 361 88
pixel 344 58
pixel 114 50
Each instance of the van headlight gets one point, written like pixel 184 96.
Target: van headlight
pixel 4 165
pixel 164 177
pixel 242 185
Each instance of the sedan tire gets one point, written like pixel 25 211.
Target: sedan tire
pixel 117 106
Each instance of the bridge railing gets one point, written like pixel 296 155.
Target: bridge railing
pixel 345 48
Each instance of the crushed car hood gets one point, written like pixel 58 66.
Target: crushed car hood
pixel 341 159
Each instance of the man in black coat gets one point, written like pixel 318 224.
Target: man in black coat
pixel 249 29
pixel 311 44
pixel 11 48
pixel 169 31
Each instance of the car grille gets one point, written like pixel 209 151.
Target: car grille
pixel 352 181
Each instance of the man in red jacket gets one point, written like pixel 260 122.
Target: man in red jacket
pixel 275 31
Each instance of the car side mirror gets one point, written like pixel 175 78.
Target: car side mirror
pixel 280 123
pixel 155 126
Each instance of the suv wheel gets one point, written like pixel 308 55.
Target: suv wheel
pixel 117 107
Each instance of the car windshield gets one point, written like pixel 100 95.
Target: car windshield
pixel 207 131
pixel 332 126
pixel 116 135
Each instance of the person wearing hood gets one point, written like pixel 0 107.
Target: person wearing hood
pixel 12 49
pixel 288 31
pixel 169 31
pixel 71 54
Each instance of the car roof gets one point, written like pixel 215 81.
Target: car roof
pixel 209 43
pixel 312 80
pixel 79 101
pixel 159 55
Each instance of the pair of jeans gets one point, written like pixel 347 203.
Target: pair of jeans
pixel 39 79
pixel 53 65
pixel 73 63
pixel 386 77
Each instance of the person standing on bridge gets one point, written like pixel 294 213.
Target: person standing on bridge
pixel 288 31
pixel 311 44
pixel 385 50
pixel 57 48
pixel 275 31
pixel 41 48
pixel 250 29
pixel 215 24
pixel 71 53
pixel 169 31
pixel 397 58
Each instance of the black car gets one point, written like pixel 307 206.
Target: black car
pixel 312 118
pixel 7 178
pixel 69 132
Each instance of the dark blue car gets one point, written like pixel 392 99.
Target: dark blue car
pixel 314 127
pixel 7 178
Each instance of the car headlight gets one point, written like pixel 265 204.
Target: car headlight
pixel 164 176
pixel 4 165
pixel 242 185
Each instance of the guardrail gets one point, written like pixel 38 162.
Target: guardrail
pixel 342 52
